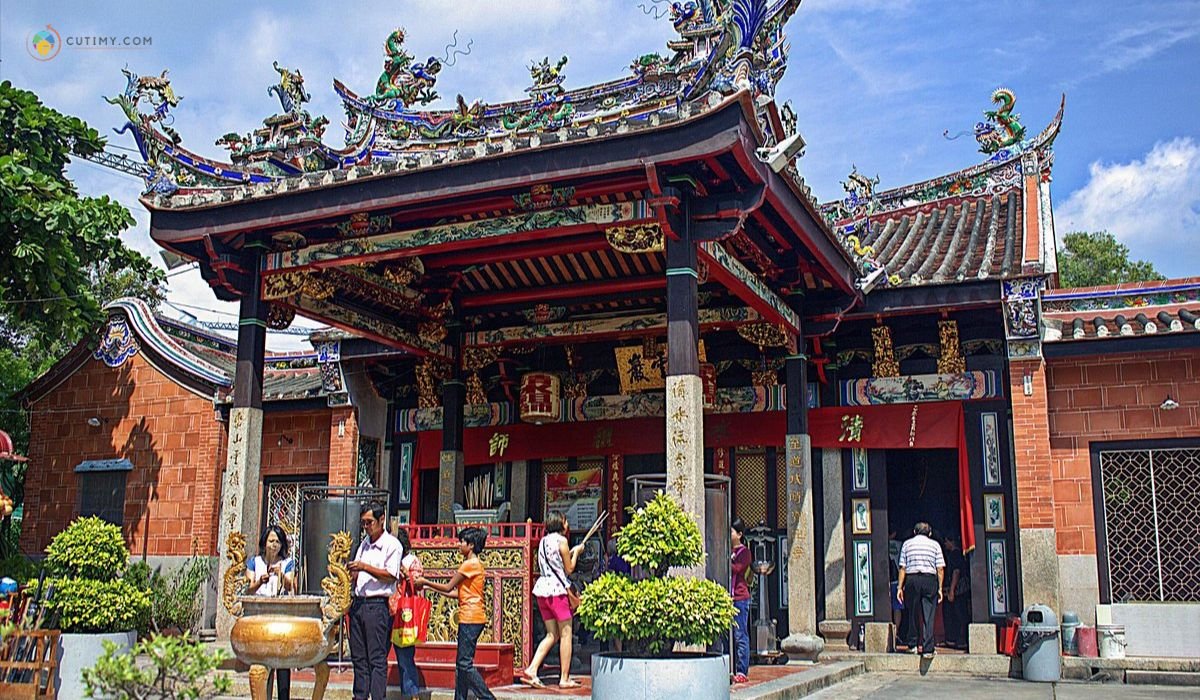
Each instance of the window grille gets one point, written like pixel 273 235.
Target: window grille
pixel 1150 523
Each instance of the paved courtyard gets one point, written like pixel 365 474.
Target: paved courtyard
pixel 886 686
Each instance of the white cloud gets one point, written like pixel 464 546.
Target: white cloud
pixel 1151 205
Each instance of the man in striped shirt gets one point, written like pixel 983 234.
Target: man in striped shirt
pixel 922 568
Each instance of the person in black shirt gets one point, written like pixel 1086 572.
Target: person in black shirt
pixel 956 605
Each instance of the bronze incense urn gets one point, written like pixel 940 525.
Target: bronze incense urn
pixel 287 631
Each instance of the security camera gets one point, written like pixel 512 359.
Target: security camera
pixel 778 156
pixel 871 281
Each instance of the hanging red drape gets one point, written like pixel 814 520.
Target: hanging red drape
pixel 934 425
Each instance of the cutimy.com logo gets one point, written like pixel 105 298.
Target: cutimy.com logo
pixel 44 44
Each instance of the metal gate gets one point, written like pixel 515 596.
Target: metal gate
pixel 281 504
pixel 1151 506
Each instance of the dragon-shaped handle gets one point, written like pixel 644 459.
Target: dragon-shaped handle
pixel 337 584
pixel 234 582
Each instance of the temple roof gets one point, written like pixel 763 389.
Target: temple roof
pixel 724 47
pixel 202 360
pixel 967 225
pixel 1130 310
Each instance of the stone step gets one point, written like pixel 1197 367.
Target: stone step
pixel 1179 678
pixel 980 665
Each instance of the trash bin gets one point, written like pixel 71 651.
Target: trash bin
pixel 1070 642
pixel 1037 642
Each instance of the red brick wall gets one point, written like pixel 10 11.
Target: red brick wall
pixel 1035 505
pixel 166 431
pixel 343 441
pixel 1114 397
pixel 306 454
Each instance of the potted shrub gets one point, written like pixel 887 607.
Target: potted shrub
pixel 91 601
pixel 161 667
pixel 653 616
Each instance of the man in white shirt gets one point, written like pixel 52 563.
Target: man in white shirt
pixel 376 567
pixel 922 567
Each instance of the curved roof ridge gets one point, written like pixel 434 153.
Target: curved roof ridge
pixel 993 175
pixel 145 323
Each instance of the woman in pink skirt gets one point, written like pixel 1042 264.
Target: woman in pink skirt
pixel 556 561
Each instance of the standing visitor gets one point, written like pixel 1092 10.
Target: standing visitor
pixel 467 586
pixel 406 657
pixel 739 560
pixel 556 562
pixel 922 568
pixel 271 573
pixel 898 618
pixel 957 595
pixel 376 567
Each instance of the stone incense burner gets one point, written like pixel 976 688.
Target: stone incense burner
pixel 292 631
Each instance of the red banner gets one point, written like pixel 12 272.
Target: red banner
pixel 932 425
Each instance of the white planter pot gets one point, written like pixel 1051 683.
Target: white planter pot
pixel 695 677
pixel 79 651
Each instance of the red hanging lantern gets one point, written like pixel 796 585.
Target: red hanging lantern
pixel 540 398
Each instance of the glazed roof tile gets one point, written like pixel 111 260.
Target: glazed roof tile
pixel 1134 309
pixel 287 376
pixel 967 225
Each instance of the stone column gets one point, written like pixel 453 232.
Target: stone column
pixel 518 491
pixel 835 628
pixel 685 390
pixel 802 605
pixel 239 505
pixel 451 463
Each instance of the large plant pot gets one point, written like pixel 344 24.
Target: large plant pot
pixel 79 651
pixel 693 676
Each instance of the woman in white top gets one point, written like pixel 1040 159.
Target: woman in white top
pixel 556 561
pixel 273 572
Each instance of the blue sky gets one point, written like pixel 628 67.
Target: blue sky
pixel 874 82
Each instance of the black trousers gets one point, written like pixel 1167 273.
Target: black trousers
pixel 920 595
pixel 955 618
pixel 466 676
pixel 370 629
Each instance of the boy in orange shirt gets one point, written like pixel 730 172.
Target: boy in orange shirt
pixel 467 586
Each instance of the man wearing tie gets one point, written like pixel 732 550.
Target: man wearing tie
pixel 376 567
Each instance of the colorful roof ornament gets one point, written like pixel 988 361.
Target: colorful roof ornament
pixel 723 47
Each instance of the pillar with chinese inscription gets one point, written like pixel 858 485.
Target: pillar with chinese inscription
pixel 802 639
pixel 451 463
pixel 239 505
pixel 685 389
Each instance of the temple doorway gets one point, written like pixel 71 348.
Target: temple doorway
pixel 922 485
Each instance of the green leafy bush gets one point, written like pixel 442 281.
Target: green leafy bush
pixel 177 597
pixel 89 548
pixel 18 568
pixel 170 668
pixel 651 615
pixel 84 605
pixel 87 562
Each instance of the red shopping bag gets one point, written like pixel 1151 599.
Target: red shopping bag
pixel 411 621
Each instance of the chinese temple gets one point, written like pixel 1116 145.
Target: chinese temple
pixel 542 300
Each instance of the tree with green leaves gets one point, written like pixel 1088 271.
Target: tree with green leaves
pixel 1089 259
pixel 64 258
